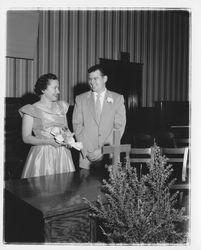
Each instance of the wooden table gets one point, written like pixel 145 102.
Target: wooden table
pixel 51 208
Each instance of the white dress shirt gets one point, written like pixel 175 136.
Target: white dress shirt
pixel 102 96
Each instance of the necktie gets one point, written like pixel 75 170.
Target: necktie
pixel 98 107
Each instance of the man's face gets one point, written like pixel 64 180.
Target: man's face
pixel 97 81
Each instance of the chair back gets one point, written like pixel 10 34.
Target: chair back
pixel 178 155
pixel 182 142
pixel 165 139
pixel 142 140
pixel 181 155
pixel 140 155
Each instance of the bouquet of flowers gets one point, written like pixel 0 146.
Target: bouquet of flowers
pixel 64 135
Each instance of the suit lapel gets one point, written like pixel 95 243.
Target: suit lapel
pixel 106 106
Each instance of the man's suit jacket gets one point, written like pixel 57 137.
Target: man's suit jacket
pixel 88 130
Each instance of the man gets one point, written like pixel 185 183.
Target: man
pixel 96 115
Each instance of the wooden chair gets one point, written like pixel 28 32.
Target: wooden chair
pixel 165 139
pixel 182 142
pixel 174 155
pixel 143 140
pixel 140 155
pixel 179 157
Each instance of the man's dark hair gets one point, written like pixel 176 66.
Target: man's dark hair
pixel 97 67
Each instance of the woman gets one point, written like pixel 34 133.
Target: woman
pixel 47 156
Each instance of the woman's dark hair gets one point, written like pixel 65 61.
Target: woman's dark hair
pixel 43 82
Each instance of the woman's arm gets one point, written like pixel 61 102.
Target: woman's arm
pixel 27 137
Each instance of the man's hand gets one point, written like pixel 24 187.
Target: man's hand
pixel 94 156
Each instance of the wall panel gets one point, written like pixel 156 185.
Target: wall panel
pixel 43 43
pixel 82 47
pixel 71 41
pixel 115 34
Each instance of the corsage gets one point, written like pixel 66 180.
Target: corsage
pixel 64 135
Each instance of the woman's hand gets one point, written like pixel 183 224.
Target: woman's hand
pixel 27 127
pixel 55 144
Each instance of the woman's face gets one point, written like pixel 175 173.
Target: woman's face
pixel 52 90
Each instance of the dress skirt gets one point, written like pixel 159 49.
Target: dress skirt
pixel 47 160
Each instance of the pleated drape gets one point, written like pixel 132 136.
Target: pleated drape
pixel 69 41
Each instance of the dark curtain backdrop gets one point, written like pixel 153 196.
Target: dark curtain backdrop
pixel 69 41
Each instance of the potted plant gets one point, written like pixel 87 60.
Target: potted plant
pixel 140 209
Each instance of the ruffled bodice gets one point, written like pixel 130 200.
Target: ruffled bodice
pixel 44 121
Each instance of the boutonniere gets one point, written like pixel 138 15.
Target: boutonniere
pixel 110 100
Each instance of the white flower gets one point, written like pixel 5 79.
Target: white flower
pixel 59 138
pixel 110 100
pixel 55 131
pixel 71 140
pixel 62 135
